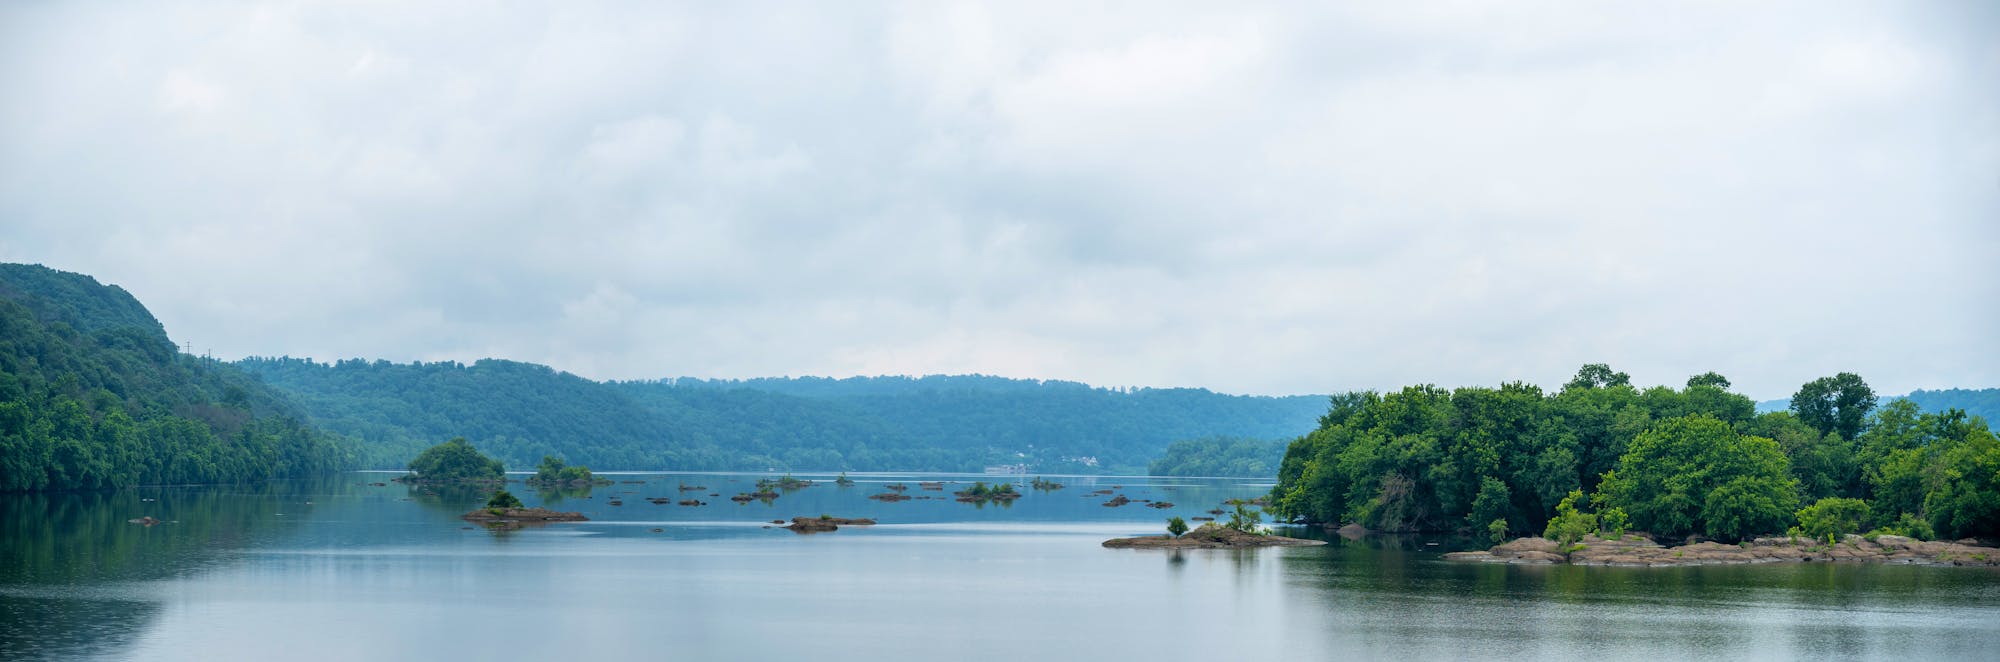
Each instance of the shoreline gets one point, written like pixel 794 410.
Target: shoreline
pixel 1637 551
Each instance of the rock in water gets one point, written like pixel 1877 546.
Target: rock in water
pixel 1210 536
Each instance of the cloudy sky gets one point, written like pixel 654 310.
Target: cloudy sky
pixel 1249 198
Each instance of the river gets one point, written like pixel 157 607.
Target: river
pixel 343 569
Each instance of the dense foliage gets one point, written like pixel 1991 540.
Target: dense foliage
pixel 455 461
pixel 1671 462
pixel 93 395
pixel 521 412
pixel 553 471
pixel 1220 456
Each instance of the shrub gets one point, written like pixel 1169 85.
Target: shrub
pixel 1496 531
pixel 502 500
pixel 1908 526
pixel 1176 526
pixel 1570 525
pixel 1245 520
pixel 1832 517
pixel 1614 522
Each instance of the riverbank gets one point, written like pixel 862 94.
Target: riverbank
pixel 1633 550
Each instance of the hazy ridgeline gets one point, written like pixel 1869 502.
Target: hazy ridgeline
pixel 520 412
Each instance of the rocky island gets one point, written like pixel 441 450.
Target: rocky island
pixel 1210 536
pixel 824 523
pixel 1633 550
pixel 514 518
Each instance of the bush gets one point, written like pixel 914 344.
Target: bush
pixel 1245 520
pixel 1832 517
pixel 503 500
pixel 1613 522
pixel 1570 525
pixel 1496 531
pixel 1908 526
pixel 1176 526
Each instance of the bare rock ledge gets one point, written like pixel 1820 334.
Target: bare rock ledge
pixel 514 518
pixel 1209 536
pixel 1636 550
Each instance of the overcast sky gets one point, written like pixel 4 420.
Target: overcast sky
pixel 1253 199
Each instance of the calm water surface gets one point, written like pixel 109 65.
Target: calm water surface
pixel 343 570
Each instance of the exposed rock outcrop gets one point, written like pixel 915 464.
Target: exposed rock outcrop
pixel 822 524
pixel 1210 536
pixel 514 518
pixel 1636 550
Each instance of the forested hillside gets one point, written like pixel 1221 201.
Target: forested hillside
pixel 93 394
pixel 1984 402
pixel 1671 462
pixel 1054 426
pixel 520 412
pixel 1220 456
pixel 1981 402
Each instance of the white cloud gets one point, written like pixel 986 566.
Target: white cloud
pixel 1250 198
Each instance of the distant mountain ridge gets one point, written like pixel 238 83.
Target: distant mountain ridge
pixel 519 412
pixel 1981 402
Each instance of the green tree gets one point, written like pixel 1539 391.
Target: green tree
pixel 1837 404
pixel 549 470
pixel 1245 520
pixel 1710 379
pixel 455 461
pixel 1964 495
pixel 1493 502
pixel 1176 526
pixel 1570 525
pixel 1832 516
pixel 502 499
pixel 1597 375
pixel 1696 474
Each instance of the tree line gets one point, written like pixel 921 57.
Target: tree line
pixel 1670 462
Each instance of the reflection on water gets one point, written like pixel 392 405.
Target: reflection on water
pixel 343 569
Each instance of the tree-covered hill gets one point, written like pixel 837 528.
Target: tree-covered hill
pixel 1054 426
pixel 1984 402
pixel 521 412
pixel 93 394
pixel 518 412
pixel 1220 456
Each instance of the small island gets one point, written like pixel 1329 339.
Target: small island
pixel 1210 536
pixel 454 462
pixel 824 523
pixel 505 512
pixel 981 493
pixel 553 472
